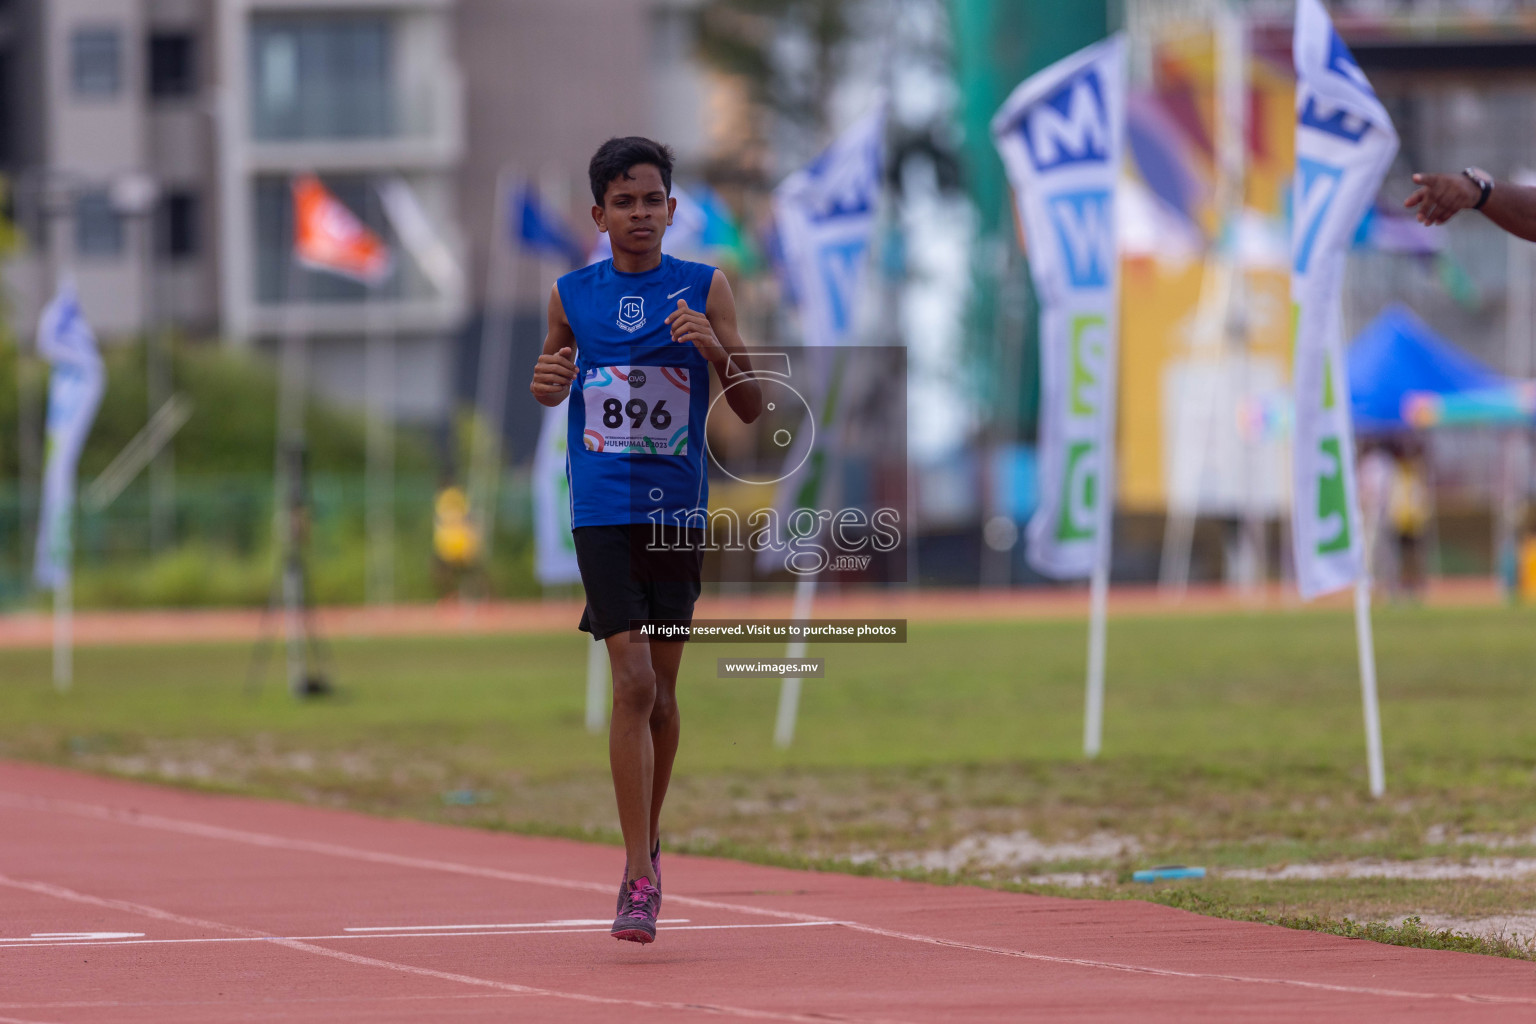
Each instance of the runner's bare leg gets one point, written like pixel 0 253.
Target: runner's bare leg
pixel 666 656
pixel 631 751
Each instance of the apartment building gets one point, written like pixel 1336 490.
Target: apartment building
pixel 356 92
pixel 93 109
pixel 152 143
pixel 218 103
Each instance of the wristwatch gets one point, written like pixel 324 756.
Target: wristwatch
pixel 1483 180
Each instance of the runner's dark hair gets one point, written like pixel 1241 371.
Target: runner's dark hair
pixel 615 158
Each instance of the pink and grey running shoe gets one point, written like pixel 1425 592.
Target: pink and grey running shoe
pixel 637 918
pixel 655 870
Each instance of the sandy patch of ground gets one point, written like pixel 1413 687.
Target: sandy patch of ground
pixel 1429 868
pixel 1014 851
pixel 1439 834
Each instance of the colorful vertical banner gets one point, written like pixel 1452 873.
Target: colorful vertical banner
pixel 1345 143
pixel 825 217
pixel 1060 135
pixel 554 550
pixel 76 380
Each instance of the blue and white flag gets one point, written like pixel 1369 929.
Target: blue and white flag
pixel 75 384
pixel 540 230
pixel 1345 143
pixel 554 549
pixel 824 220
pixel 825 217
pixel 1060 136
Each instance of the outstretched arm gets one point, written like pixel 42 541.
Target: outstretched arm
pixel 556 368
pixel 714 334
pixel 1440 197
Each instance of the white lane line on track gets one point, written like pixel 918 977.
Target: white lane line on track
pixel 115 1004
pixel 66 938
pixel 716 1009
pixel 18 1020
pixel 14 944
pixel 103 813
pixel 1167 972
pixel 482 927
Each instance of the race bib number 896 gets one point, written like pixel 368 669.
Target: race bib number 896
pixel 636 409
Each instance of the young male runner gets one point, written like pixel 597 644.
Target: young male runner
pixel 627 342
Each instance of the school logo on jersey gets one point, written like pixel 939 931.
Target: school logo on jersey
pixel 631 313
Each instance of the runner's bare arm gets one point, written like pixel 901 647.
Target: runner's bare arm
pixel 713 332
pixel 556 368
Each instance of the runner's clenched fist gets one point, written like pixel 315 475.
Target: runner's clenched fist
pixel 691 325
pixel 552 374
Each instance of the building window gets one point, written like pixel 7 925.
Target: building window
pixel 96 61
pixel 98 227
pixel 321 76
pixel 172 71
pixel 176 226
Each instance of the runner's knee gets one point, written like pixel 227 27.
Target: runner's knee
pixel 634 689
pixel 664 708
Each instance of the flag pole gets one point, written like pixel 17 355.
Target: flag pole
pixel 64 632
pixel 597 685
pixel 378 386
pixel 805 588
pixel 789 690
pixel 1098 587
pixel 63 592
pixel 1365 641
pixel 1098 602
pixel 491 388
pixel 289 465
pixel 1366 644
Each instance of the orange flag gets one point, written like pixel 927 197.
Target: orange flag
pixel 328 236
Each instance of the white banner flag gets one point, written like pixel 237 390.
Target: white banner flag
pixel 1344 145
pixel 554 551
pixel 420 237
pixel 76 380
pixel 825 214
pixel 1060 136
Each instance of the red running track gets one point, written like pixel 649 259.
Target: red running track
pixel 122 902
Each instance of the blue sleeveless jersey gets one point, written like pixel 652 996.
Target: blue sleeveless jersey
pixel 635 443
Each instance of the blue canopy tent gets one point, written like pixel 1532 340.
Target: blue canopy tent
pixel 1396 354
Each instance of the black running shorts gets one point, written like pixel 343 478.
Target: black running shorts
pixel 630 579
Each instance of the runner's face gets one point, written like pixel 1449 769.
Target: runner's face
pixel 636 210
